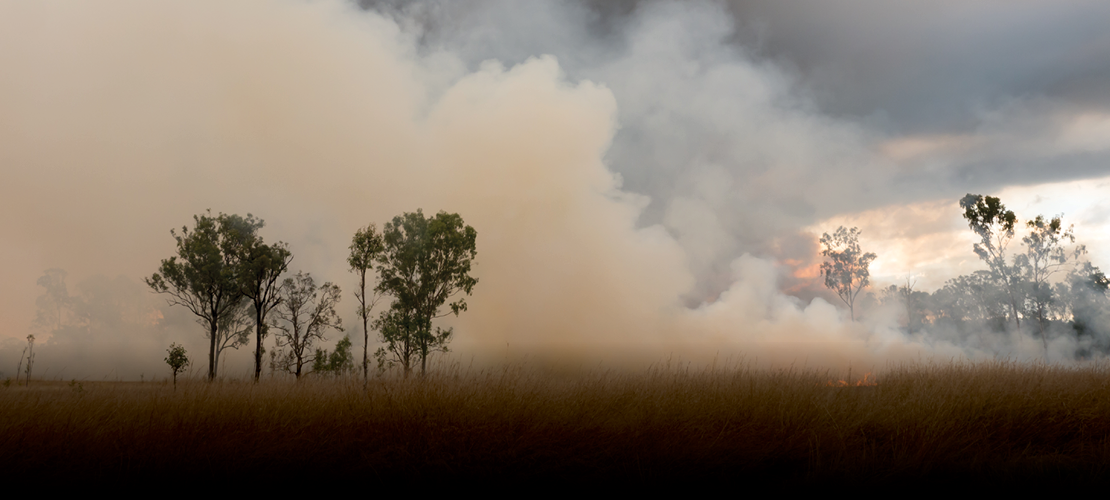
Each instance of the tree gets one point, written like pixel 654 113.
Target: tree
pixel 305 314
pixel 261 266
pixel 338 362
pixel 204 275
pixel 366 246
pixel 177 361
pixel 1087 289
pixel 1044 256
pixel 425 262
pixel 971 302
pixel 396 328
pixel 988 218
pixel 916 303
pixel 846 273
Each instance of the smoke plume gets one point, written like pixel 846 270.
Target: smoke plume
pixel 643 178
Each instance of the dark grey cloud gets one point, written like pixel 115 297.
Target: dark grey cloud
pixel 927 66
pixel 908 65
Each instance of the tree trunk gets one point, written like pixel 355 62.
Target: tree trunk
pixel 365 343
pixel 258 341
pixel 215 329
pixel 1040 323
pixel 1013 309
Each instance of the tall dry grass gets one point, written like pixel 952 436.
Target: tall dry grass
pixel 957 421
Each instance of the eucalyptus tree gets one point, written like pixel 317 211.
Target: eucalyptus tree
pixel 366 246
pixel 261 266
pixel 305 313
pixel 425 262
pixel 989 219
pixel 204 276
pixel 846 272
pixel 1044 256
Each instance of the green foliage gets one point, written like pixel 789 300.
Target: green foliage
pixel 205 275
pixel 988 217
pixel 260 268
pixel 994 224
pixel 177 359
pixel 342 360
pixel 304 315
pixel 1044 256
pixel 425 262
pixel 339 362
pixel 846 271
pixel 1026 280
pixel 366 247
pixel 398 329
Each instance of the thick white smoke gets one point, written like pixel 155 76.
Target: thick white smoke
pixel 123 119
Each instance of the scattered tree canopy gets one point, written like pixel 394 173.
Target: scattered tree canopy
pixel 425 262
pixel 223 269
pixel 988 217
pixel 261 266
pixel 846 270
pixel 366 247
pixel 205 275
pixel 1017 291
pixel 304 315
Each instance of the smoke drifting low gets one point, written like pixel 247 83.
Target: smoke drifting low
pixel 640 192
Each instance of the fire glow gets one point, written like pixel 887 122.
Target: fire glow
pixel 866 381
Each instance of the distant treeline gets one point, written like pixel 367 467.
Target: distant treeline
pixel 1047 289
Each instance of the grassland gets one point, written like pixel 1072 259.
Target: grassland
pixel 985 422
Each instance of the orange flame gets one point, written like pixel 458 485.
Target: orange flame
pixel 866 381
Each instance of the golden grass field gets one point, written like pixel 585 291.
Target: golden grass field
pixel 989 422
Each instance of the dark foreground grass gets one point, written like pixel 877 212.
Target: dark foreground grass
pixel 986 422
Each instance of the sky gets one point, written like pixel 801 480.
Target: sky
pixel 648 179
